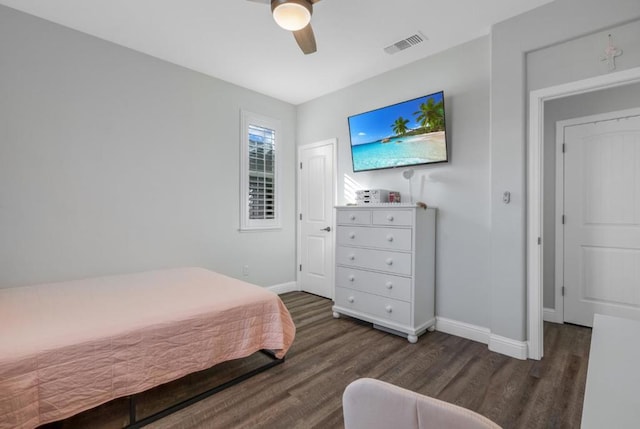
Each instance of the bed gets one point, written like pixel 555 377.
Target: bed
pixel 68 347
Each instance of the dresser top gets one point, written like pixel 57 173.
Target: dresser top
pixel 383 206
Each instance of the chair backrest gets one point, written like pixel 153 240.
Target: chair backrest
pixel 374 404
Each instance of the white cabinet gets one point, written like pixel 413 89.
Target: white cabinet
pixel 385 267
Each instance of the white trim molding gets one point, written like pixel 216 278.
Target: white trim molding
pixel 249 120
pixel 284 288
pixel 551 315
pixel 507 346
pixel 496 343
pixel 558 276
pixel 535 199
pixel 464 330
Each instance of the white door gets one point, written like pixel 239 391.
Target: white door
pixel 602 219
pixel 316 199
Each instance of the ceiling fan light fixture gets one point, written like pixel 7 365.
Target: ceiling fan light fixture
pixel 292 15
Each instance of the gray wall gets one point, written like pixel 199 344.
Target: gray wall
pixel 459 189
pixel 593 103
pixel 112 161
pixel 582 57
pixel 554 23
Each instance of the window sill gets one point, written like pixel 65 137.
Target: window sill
pixel 260 229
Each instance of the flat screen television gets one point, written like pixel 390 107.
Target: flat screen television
pixel 400 135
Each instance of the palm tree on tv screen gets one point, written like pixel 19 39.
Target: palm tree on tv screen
pixel 400 126
pixel 431 115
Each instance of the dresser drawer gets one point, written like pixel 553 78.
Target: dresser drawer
pixel 378 306
pixel 381 260
pixel 393 217
pixel 384 238
pixel 355 217
pixel 377 283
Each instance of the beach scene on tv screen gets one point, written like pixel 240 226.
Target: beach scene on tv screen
pixel 408 133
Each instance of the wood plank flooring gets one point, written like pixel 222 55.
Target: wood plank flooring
pixel 306 390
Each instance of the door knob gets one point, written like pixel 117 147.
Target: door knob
pixel 328 229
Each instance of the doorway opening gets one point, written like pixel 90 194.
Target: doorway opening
pixel 535 191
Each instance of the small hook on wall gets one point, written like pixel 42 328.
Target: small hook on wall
pixel 610 54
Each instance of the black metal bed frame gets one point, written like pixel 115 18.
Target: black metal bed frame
pixel 134 424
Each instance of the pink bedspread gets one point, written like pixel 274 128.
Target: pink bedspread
pixel 68 347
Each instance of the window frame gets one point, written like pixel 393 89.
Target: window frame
pixel 247 119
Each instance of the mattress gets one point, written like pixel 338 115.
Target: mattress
pixel 68 347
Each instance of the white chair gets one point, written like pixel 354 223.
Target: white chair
pixel 374 404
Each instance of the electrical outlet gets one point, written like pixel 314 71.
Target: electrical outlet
pixel 245 270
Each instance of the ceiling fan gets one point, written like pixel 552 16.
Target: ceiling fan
pixel 295 16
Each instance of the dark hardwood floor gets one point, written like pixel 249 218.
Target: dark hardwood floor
pixel 306 390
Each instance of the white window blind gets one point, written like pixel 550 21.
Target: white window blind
pixel 259 181
pixel 262 147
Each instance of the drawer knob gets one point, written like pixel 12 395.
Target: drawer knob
pixel 352 257
pixel 352 235
pixel 352 278
pixel 389 238
pixel 351 299
pixel 352 217
pixel 389 261
pixel 390 218
pixel 389 285
pixel 388 309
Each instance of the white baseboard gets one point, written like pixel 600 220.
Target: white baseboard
pixel 462 329
pixel 551 315
pixel 509 347
pixel 498 344
pixel 284 288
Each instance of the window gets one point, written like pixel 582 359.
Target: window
pixel 260 208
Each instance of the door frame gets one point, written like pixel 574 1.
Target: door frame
pixel 333 142
pixel 535 202
pixel 558 314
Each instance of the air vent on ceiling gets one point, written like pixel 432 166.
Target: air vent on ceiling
pixel 405 43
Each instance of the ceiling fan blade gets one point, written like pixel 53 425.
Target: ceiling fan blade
pixel 306 40
pixel 269 1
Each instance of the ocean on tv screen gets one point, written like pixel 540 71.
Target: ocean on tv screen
pixel 400 151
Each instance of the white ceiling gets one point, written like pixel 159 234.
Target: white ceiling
pixel 238 41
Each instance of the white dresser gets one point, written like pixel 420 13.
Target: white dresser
pixel 385 267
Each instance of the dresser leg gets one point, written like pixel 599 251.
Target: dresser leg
pixel 412 339
pixel 431 328
pixel 336 315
